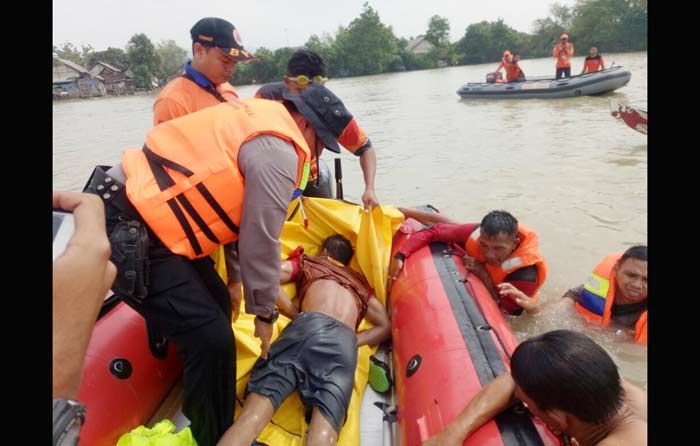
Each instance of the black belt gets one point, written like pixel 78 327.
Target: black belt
pixel 112 191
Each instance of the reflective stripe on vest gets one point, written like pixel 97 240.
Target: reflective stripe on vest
pixel 185 182
pixel 595 291
pixel 164 181
pixel 598 294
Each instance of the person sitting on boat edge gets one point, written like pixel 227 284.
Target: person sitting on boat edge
pixel 504 254
pixel 579 394
pixel 615 292
pixel 317 351
pixel 513 71
pixel 322 118
pixel 563 51
pixel 593 62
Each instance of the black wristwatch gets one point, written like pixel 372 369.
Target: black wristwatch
pixel 271 319
pixel 68 418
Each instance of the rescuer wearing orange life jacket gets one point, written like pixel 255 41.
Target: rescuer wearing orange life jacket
pixel 217 48
pixel 504 254
pixel 593 62
pixel 616 292
pixel 510 63
pixel 303 93
pixel 224 173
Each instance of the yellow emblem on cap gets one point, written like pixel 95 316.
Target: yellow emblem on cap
pixel 234 52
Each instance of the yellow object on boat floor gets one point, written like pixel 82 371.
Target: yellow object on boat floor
pixel 371 234
pixel 162 434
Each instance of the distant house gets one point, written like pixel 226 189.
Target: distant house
pixel 70 80
pixel 419 45
pixel 117 81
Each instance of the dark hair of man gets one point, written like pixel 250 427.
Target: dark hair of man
pixel 207 46
pixel 638 252
pixel 496 222
pixel 338 248
pixel 306 62
pixel 568 371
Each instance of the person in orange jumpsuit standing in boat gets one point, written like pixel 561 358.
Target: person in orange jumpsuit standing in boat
pixel 563 51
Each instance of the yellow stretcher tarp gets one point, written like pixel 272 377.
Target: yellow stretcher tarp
pixel 371 234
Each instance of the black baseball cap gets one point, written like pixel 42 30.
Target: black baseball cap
pixel 221 34
pixel 324 110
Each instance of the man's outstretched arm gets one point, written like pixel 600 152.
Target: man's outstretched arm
pixel 493 399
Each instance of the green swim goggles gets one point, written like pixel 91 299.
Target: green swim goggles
pixel 303 79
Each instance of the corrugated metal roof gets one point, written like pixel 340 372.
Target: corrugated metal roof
pixel 113 68
pixel 77 68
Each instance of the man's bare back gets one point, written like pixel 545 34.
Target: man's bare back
pixel 329 298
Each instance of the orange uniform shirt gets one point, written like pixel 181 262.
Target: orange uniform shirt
pixel 563 59
pixel 182 96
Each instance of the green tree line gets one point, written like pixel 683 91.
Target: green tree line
pixel 368 46
pixel 151 65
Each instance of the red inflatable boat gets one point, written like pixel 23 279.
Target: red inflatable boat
pixel 124 381
pixel 449 340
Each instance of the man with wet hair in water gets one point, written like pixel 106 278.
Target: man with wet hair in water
pixel 579 394
pixel 317 352
pixel 502 253
pixel 615 293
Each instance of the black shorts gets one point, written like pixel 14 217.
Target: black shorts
pixel 317 355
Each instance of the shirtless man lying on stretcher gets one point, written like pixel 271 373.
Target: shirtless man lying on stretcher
pixel 317 352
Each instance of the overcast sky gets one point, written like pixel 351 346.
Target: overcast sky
pixel 272 23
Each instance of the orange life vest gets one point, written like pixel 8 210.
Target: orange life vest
pixel 593 64
pixel 526 254
pixel 513 71
pixel 185 182
pixel 598 297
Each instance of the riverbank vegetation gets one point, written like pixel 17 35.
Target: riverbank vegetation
pixel 368 46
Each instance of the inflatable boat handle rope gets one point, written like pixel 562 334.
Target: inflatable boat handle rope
pixel 566 440
pixel 470 289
